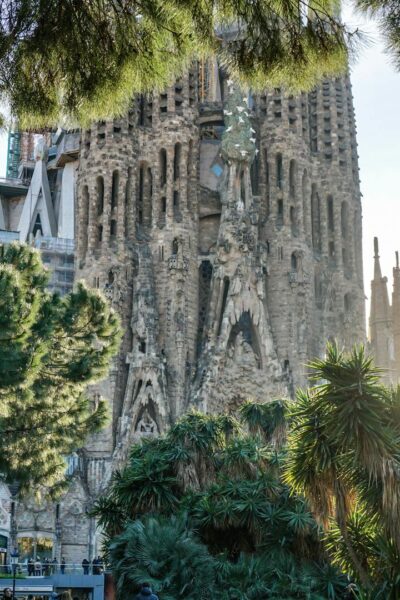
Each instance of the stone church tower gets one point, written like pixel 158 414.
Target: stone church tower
pixel 384 320
pixel 225 228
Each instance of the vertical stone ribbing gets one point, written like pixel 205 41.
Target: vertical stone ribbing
pixel 280 265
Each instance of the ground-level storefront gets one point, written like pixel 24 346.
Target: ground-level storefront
pixel 81 587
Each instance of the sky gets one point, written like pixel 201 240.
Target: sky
pixel 376 90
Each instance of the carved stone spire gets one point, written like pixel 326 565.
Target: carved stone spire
pixel 377 264
pixel 380 320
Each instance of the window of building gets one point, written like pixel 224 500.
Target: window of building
pixel 100 195
pixel 292 178
pixel 279 215
pixel 141 187
pixel 114 189
pixel 177 160
pixel 344 219
pixel 305 198
pixel 347 302
pixel 279 171
pixel 331 219
pixel 315 218
pixel 37 227
pixel 163 167
pixel 292 214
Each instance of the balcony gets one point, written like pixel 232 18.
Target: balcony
pixel 11 187
pixel 7 237
pixel 68 148
pixel 54 244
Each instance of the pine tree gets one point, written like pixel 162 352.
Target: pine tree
pixel 387 15
pixel 51 348
pixel 85 60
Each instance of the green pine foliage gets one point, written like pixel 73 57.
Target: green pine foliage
pixel 82 61
pixel 51 348
pixel 387 15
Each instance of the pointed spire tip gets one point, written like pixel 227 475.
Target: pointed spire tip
pixel 376 247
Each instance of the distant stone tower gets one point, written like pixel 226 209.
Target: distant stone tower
pixel 226 230
pixel 384 320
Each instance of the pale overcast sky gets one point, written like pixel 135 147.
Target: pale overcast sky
pixel 376 89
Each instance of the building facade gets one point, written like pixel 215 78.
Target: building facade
pixel 37 207
pixel 225 228
pixel 384 320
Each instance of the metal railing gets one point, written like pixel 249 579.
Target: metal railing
pixel 9 236
pixel 56 244
pixel 43 569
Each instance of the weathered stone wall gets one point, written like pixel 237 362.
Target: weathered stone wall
pixel 228 274
pixel 310 191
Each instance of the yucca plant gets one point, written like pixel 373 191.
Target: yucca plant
pixel 344 448
pixel 218 478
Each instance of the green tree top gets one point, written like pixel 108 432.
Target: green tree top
pixel 86 60
pixel 51 348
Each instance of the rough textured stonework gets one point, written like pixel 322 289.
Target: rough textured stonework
pixel 230 243
pixel 238 359
pixel 226 231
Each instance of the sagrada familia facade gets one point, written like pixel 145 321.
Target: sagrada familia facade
pixel 225 228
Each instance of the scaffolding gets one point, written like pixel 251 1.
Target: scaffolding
pixel 13 153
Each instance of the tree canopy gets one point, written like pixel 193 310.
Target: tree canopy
pixel 212 487
pixel 292 500
pixel 387 14
pixel 343 455
pixel 51 348
pixel 86 60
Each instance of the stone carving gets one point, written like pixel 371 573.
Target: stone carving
pixel 146 426
pixel 191 344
